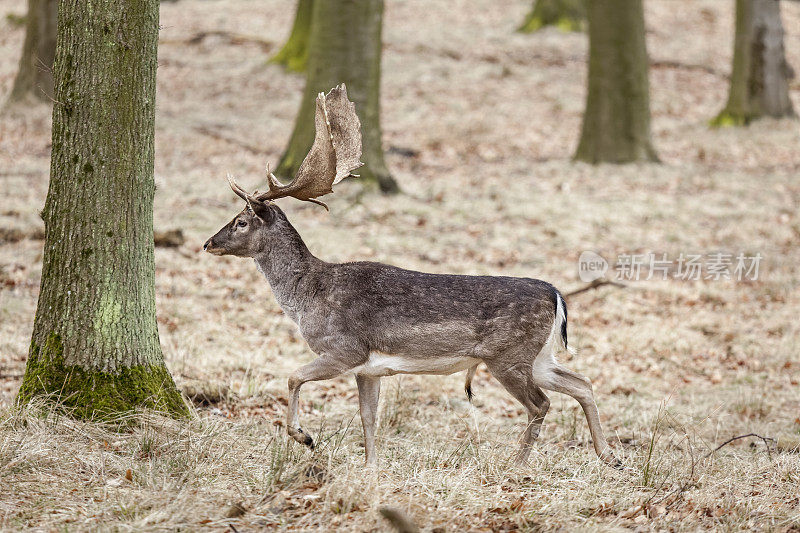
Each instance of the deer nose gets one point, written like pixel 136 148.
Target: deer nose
pixel 206 245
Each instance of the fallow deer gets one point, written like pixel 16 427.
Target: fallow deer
pixel 374 320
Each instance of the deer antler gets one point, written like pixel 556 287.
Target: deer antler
pixel 241 193
pixel 336 152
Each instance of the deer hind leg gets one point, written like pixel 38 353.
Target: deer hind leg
pixel 369 390
pixel 518 381
pixel 548 374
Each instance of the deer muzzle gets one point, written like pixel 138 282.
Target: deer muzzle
pixel 210 248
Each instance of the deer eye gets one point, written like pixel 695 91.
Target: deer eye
pixel 241 223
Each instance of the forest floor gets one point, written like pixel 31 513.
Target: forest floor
pixel 479 126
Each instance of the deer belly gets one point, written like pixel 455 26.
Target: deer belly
pixel 383 364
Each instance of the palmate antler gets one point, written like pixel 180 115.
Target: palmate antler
pixel 336 152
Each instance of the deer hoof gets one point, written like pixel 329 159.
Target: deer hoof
pixel 302 437
pixel 611 460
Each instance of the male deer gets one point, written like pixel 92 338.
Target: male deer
pixel 374 320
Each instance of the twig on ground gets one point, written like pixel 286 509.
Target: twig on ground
pixel 401 522
pixel 594 285
pixel 767 441
pixel 689 482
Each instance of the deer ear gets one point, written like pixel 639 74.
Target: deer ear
pixel 260 209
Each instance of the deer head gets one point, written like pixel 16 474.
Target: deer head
pixel 336 152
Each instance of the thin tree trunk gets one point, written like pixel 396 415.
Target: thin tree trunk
pixel 760 77
pixel 35 73
pixel 616 123
pixel 294 54
pixel 567 15
pixel 95 346
pixel 345 47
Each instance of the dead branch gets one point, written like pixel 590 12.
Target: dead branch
pixel 666 63
pixel 210 132
pixel 594 285
pixel 232 38
pixel 401 522
pixel 766 440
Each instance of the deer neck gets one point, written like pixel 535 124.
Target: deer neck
pixel 291 271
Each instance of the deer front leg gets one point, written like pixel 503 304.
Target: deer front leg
pixel 369 390
pixel 320 369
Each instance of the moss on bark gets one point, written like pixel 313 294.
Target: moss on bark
pixel 566 15
pixel 92 394
pixel 294 54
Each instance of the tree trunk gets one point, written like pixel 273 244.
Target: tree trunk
pixel 567 15
pixel 294 54
pixel 760 78
pixel 95 346
pixel 345 46
pixel 616 123
pixel 35 74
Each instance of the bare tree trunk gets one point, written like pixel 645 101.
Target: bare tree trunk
pixel 760 77
pixel 95 346
pixel 294 54
pixel 345 46
pixel 35 73
pixel 567 15
pixel 616 123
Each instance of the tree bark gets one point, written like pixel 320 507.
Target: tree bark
pixel 616 123
pixel 35 73
pixel 95 346
pixel 567 15
pixel 345 46
pixel 760 75
pixel 294 54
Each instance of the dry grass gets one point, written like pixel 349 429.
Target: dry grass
pixel 479 123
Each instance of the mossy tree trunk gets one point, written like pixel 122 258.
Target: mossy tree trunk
pixel 95 346
pixel 567 15
pixel 760 76
pixel 616 122
pixel 35 73
pixel 294 54
pixel 345 46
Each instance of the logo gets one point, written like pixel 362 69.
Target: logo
pixel 591 266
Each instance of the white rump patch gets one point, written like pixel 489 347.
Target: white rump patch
pixel 545 362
